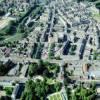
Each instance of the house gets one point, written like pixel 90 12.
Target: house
pixel 66 48
pixel 14 70
pixel 17 92
pixel 95 74
pixel 24 70
pixel 82 48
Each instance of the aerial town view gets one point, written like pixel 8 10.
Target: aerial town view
pixel 49 49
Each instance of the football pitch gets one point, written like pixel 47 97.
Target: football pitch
pixel 56 96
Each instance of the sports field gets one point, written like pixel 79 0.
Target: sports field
pixel 55 96
pixel 95 14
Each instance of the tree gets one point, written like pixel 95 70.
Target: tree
pixel 11 28
pixel 2 12
pixel 98 6
pixel 24 94
pixel 29 93
pixel 41 63
pixel 20 28
pixel 32 69
pixel 41 89
pixel 1 38
pixel 57 86
pixel 29 86
pixel 79 1
pixel 46 73
pixel 35 90
pixel 8 90
pixel 82 93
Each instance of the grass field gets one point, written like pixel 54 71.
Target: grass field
pixel 1 1
pixel 4 22
pixel 55 96
pixel 13 38
pixel 96 16
pixel 50 81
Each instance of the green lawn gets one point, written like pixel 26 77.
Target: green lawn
pixel 96 55
pixel 50 81
pixel 13 38
pixel 96 16
pixel 97 1
pixel 8 90
pixel 1 1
